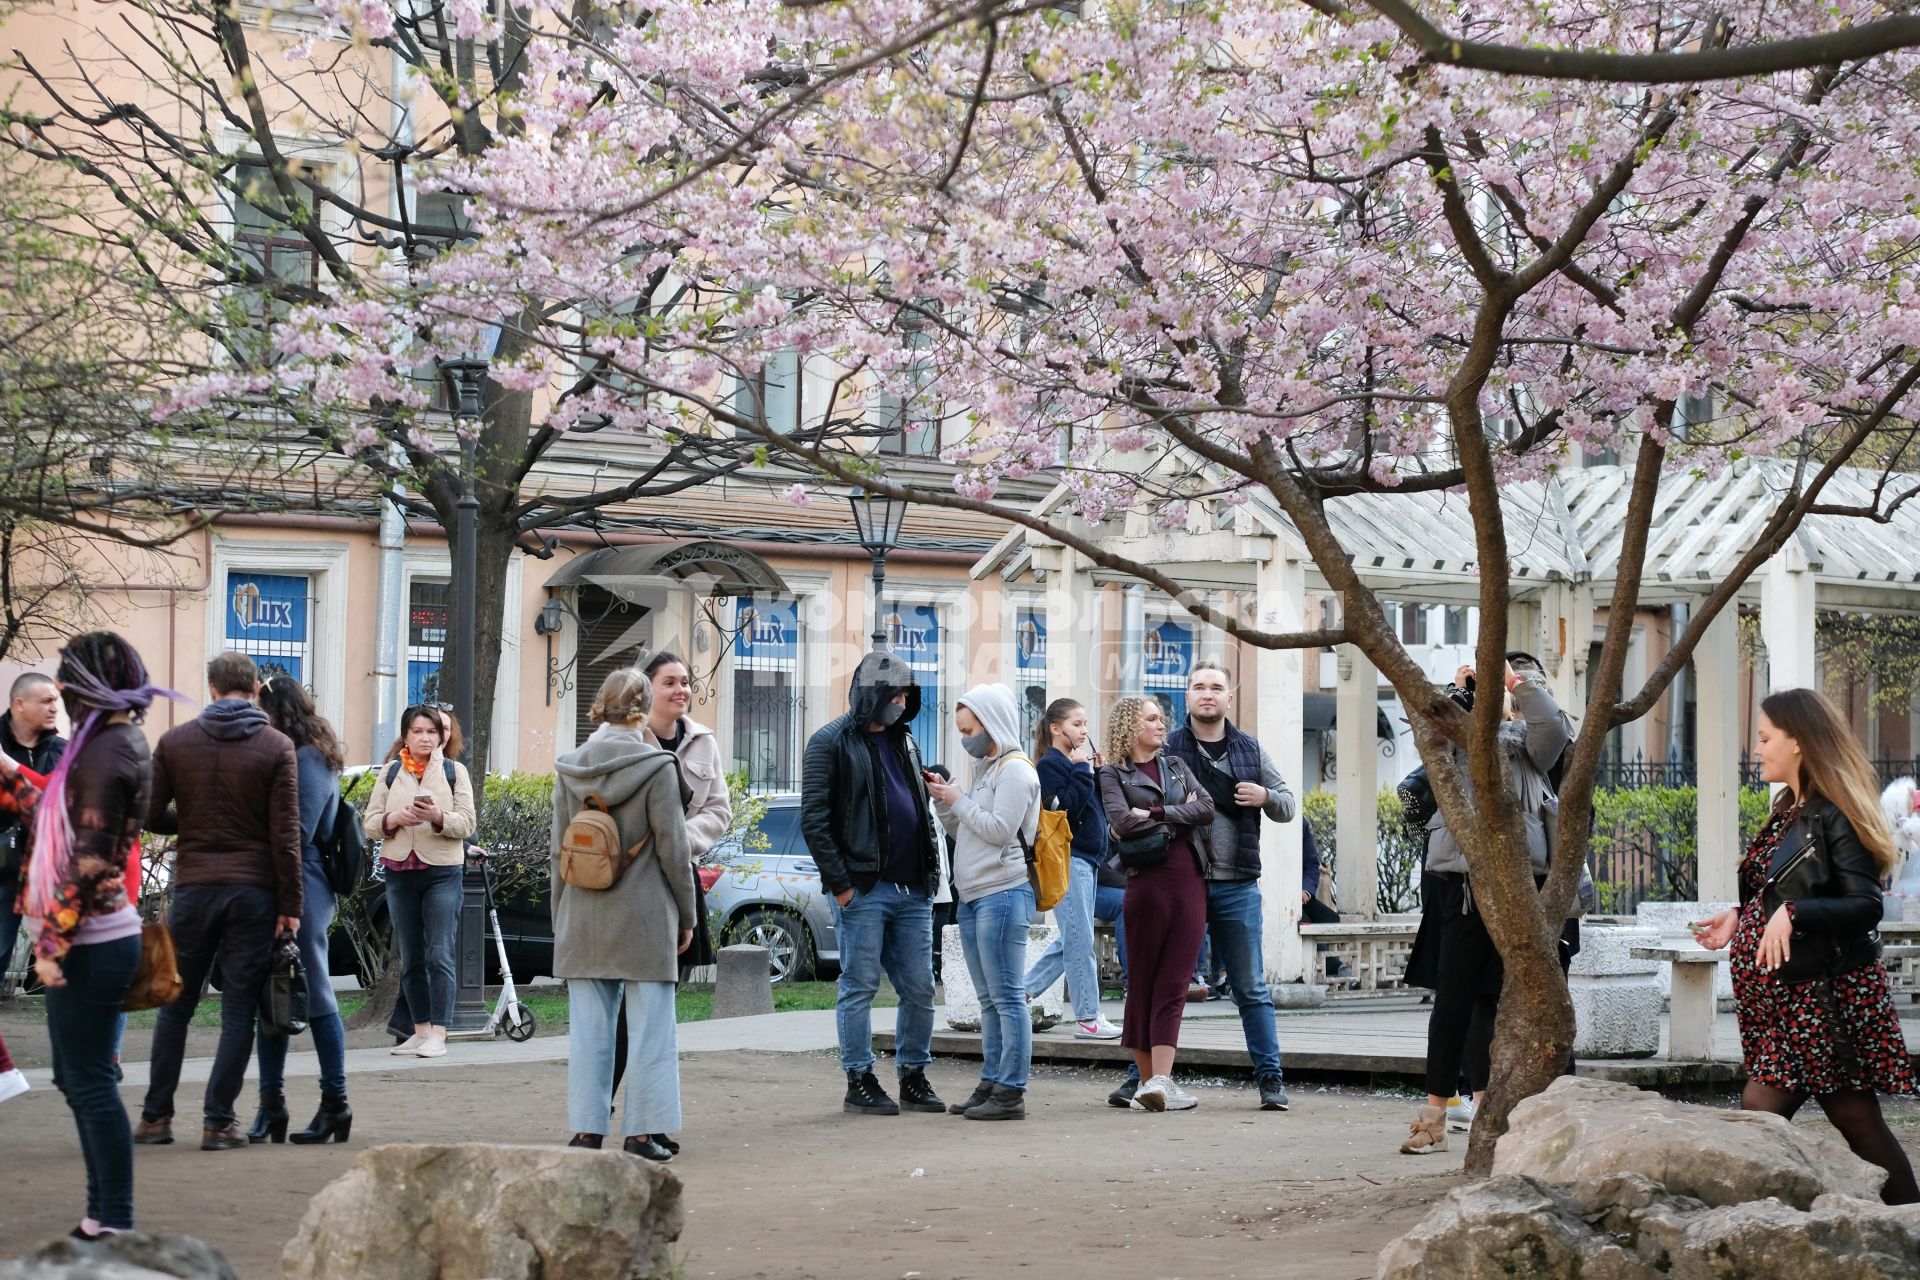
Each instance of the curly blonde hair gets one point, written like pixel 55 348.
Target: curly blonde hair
pixel 625 697
pixel 1123 726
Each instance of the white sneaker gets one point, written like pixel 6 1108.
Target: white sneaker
pixel 1097 1029
pixel 1179 1099
pixel 432 1047
pixel 1152 1096
pixel 408 1048
pixel 12 1084
pixel 1460 1114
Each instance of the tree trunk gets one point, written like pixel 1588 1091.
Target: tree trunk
pixel 1532 1044
pixel 379 1000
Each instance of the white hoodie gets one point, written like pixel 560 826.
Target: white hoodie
pixel 1001 806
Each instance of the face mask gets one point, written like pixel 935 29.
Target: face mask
pixel 890 715
pixel 977 744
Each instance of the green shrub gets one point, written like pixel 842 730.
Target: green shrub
pixel 1401 849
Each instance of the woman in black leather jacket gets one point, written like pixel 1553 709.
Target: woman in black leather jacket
pixel 1815 1008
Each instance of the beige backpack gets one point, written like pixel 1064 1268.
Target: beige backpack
pixel 590 852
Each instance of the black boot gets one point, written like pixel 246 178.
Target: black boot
pixel 981 1092
pixel 270 1122
pixel 334 1120
pixel 1002 1104
pixel 916 1094
pixel 865 1097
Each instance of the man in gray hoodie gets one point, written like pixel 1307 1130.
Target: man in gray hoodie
pixel 227 784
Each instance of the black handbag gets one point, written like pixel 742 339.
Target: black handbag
pixel 1147 849
pixel 283 997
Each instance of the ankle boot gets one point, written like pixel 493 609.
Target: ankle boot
pixel 334 1120
pixel 270 1122
pixel 1429 1132
pixel 1002 1104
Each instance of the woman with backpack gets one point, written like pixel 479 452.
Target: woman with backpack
pixel 992 822
pixel 422 812
pixel 318 754
pixel 622 895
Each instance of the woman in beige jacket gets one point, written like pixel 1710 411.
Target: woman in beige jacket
pixel 709 811
pixel 422 812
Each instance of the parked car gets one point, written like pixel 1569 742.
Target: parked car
pixel 770 897
pixel 773 898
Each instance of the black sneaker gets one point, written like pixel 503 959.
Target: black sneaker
pixel 916 1094
pixel 663 1140
pixel 1272 1096
pixel 646 1148
pixel 1123 1096
pixel 865 1097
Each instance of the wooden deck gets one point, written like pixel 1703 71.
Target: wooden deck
pixel 1382 1038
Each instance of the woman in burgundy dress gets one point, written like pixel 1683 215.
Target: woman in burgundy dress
pixel 1160 817
pixel 1816 1011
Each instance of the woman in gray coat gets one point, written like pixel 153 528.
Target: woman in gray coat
pixel 622 943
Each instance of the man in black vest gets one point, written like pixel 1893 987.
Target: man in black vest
pixel 1244 783
pixel 27 734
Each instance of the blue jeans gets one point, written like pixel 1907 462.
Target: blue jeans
pixel 425 909
pixel 1109 907
pixel 233 925
pixel 83 1018
pixel 653 1056
pixel 1071 951
pixel 993 933
pixel 890 928
pixel 323 1010
pixel 1233 923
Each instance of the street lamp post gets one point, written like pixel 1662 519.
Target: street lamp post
pixel 469 374
pixel 876 520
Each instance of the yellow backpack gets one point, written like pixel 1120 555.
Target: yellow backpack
pixel 1050 856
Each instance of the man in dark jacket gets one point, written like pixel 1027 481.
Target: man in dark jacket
pixel 26 734
pixel 1245 785
pixel 226 783
pixel 869 825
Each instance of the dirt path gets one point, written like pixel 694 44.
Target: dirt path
pixel 780 1185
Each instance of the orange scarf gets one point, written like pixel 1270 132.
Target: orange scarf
pixel 418 768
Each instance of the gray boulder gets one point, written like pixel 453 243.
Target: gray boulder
pixel 482 1211
pixel 1627 1227
pixel 1582 1130
pixel 136 1255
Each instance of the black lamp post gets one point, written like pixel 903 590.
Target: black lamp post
pixel 469 375
pixel 876 520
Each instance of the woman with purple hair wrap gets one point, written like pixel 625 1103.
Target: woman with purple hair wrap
pixel 74 900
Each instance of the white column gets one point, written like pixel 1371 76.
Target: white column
pixel 1072 641
pixel 1716 752
pixel 1357 788
pixel 1281 587
pixel 1786 620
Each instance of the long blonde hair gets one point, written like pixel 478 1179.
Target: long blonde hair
pixel 1833 764
pixel 1123 727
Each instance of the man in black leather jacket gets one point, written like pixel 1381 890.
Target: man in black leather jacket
pixel 868 823
pixel 27 733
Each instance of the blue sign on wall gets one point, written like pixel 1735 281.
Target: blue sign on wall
pixel 1030 641
pixel 769 630
pixel 914 631
pixel 266 606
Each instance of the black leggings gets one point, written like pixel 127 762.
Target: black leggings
pixel 1467 994
pixel 1856 1114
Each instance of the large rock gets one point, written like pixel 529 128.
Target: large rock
pixel 136 1255
pixel 1580 1130
pixel 1627 1227
pixel 960 1003
pixel 481 1211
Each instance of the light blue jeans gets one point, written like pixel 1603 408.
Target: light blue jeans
pixel 1071 951
pixel 890 928
pixel 653 1056
pixel 993 933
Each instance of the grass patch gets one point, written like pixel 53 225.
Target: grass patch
pixel 694 1001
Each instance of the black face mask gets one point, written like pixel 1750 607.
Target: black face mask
pixel 889 714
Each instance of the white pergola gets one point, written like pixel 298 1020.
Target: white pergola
pixel 1563 537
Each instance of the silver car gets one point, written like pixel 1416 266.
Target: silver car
pixel 773 898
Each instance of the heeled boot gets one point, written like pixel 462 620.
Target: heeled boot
pixel 270 1122
pixel 334 1120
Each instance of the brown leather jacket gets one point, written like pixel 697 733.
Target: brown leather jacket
pixel 227 786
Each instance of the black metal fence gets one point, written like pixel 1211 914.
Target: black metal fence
pixel 1684 772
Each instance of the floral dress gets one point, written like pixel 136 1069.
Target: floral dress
pixel 1816 1037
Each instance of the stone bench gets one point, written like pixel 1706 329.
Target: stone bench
pixel 1374 951
pixel 1616 992
pixel 1691 1008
